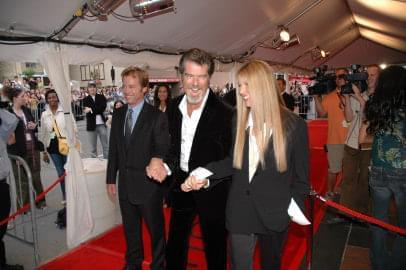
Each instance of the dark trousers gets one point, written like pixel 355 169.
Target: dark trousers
pixel 184 211
pixel 243 245
pixel 152 213
pixel 4 213
pixel 354 187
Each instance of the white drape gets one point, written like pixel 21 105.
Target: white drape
pixel 79 216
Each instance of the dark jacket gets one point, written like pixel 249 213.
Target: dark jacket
pixel 261 205
pixel 19 148
pixel 149 138
pixel 98 107
pixel 211 142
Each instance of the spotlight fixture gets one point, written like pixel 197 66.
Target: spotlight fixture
pixel 143 9
pixel 284 33
pixel 102 8
pixel 383 66
pixel 323 53
pixel 278 44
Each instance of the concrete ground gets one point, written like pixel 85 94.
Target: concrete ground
pixel 52 240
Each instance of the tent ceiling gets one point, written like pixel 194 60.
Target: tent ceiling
pixel 232 27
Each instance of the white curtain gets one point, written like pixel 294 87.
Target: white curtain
pixel 79 216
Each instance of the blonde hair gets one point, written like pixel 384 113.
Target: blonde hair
pixel 266 113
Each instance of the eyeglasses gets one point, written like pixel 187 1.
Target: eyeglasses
pixel 190 77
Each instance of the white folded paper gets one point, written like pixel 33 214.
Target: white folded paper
pixel 201 173
pixel 296 215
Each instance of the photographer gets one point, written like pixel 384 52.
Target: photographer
pixel 332 107
pixel 354 188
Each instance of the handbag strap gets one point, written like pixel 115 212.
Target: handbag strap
pixel 56 129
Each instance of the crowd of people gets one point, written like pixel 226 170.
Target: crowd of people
pixel 237 167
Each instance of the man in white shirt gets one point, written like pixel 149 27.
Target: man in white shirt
pixel 200 129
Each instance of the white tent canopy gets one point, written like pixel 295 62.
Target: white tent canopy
pixel 227 27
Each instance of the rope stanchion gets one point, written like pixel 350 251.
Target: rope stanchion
pixel 38 198
pixel 363 217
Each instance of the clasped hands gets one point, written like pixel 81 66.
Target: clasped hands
pixel 156 170
pixel 192 183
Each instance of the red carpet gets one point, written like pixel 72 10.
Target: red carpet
pixel 107 251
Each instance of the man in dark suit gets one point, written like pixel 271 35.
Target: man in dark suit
pixel 139 135
pixel 200 129
pixel 287 98
pixel 94 106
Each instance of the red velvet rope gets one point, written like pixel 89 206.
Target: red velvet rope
pixel 39 198
pixel 363 217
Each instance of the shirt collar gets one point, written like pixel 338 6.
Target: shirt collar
pixel 183 104
pixel 136 107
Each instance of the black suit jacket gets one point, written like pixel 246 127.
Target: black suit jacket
pixel 262 203
pixel 98 107
pixel 211 142
pixel 289 101
pixel 149 138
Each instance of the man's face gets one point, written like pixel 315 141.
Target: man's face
pixel 132 90
pixel 195 82
pixel 373 74
pixel 281 85
pixel 340 81
pixel 92 90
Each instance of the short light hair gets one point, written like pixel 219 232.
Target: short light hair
pixel 138 73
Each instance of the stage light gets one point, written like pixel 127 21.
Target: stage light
pixel 284 34
pixel 323 53
pixel 143 9
pixel 383 66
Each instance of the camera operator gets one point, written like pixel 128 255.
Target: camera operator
pixel 332 107
pixel 354 188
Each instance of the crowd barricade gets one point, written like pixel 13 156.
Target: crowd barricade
pixel 23 227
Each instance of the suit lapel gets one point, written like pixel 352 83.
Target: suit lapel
pixel 204 121
pixel 141 120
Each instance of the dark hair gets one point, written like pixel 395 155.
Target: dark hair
pixel 199 57
pixel 117 101
pixel 282 80
pixel 50 91
pixel 14 92
pixel 387 106
pixel 156 99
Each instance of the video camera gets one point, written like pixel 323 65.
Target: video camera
pixel 356 76
pixel 324 82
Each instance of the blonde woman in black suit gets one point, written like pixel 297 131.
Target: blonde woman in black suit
pixel 269 168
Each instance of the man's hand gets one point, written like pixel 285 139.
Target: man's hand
pixel 192 183
pixel 156 170
pixel 87 110
pixel 357 95
pixel 45 157
pixel 111 191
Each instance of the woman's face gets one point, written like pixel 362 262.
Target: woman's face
pixel 162 93
pixel 20 99
pixel 118 105
pixel 52 100
pixel 244 92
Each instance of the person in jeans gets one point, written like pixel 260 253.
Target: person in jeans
pixel 385 121
pixel 52 117
pixel 94 106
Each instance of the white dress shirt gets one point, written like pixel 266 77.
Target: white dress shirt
pixel 189 125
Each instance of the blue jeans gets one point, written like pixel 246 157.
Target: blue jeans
pixel 59 162
pixel 100 131
pixel 384 184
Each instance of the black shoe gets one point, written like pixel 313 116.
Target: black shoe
pixel 12 267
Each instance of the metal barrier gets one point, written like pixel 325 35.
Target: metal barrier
pixel 305 107
pixel 22 222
